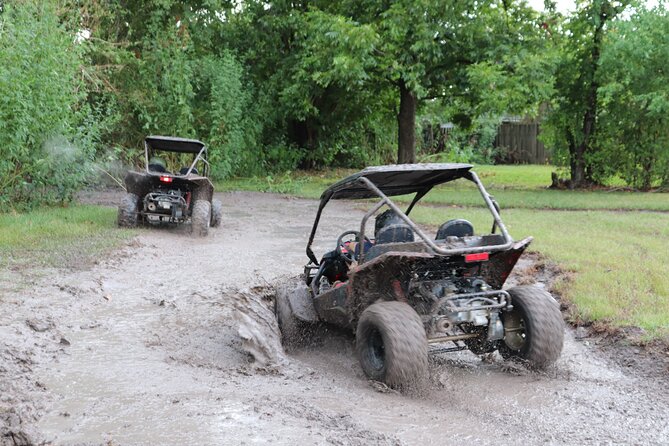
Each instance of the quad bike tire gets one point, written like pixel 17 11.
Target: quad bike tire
pixel 128 215
pixel 216 213
pixel 534 329
pixel 392 345
pixel 201 218
pixel 294 332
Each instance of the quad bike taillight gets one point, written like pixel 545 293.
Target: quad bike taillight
pixel 477 257
pixel 165 179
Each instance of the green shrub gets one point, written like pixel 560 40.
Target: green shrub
pixel 41 107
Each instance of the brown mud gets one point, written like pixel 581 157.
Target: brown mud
pixel 151 346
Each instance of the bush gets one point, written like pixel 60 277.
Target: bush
pixel 37 158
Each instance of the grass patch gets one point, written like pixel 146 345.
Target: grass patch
pixel 523 176
pixel 552 199
pixel 58 237
pixel 522 186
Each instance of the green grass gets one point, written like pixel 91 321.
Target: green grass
pixel 521 186
pixel 553 199
pixel 525 176
pixel 618 260
pixel 58 237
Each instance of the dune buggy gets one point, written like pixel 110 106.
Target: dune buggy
pixel 174 187
pixel 407 295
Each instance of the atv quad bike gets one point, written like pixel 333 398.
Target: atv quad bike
pixel 159 195
pixel 407 295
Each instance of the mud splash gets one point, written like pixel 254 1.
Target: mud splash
pixel 258 328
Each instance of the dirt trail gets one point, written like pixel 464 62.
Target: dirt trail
pixel 144 348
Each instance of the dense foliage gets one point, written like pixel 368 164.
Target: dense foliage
pixel 634 93
pixel 572 125
pixel 43 113
pixel 272 85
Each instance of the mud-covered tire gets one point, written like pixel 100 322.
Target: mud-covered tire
pixel 391 345
pixel 216 213
pixel 294 332
pixel 534 329
pixel 201 218
pixel 128 216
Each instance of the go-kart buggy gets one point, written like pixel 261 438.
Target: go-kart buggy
pixel 407 295
pixel 174 187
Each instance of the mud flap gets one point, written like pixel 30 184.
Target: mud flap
pixel 302 304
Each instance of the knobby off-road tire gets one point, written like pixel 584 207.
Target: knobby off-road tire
pixel 391 345
pixel 216 213
pixel 127 211
pixel 201 218
pixel 294 332
pixel 534 329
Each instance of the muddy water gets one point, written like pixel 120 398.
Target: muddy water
pixel 155 357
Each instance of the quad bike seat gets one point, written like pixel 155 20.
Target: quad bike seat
pixel 158 168
pixel 386 218
pixel 455 228
pixel 184 170
pixel 390 228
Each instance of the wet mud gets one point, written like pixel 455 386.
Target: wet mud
pixel 171 341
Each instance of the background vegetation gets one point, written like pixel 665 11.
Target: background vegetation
pixel 275 86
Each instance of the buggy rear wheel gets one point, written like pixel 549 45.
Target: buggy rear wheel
pixel 294 332
pixel 392 345
pixel 533 330
pixel 216 213
pixel 201 217
pixel 127 211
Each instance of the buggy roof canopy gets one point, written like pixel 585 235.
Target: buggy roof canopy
pixel 397 179
pixel 174 144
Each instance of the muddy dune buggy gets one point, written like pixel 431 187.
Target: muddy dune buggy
pixel 173 189
pixel 406 294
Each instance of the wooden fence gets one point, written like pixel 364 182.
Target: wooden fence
pixel 518 143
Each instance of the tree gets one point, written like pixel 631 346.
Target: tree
pixel 634 98
pixel 572 124
pixel 426 49
pixel 308 68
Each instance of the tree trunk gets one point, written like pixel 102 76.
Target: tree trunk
pixel 406 120
pixel 581 175
pixel 647 173
pixel 577 166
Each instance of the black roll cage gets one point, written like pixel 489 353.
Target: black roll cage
pixel 361 180
pixel 177 145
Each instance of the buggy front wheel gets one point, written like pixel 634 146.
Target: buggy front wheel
pixel 391 344
pixel 294 332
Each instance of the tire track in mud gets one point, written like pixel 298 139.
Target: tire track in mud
pixel 155 357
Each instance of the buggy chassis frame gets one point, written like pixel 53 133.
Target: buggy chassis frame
pixel 471 176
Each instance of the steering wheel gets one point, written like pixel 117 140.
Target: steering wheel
pixel 348 255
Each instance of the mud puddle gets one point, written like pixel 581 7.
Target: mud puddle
pixel 145 348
